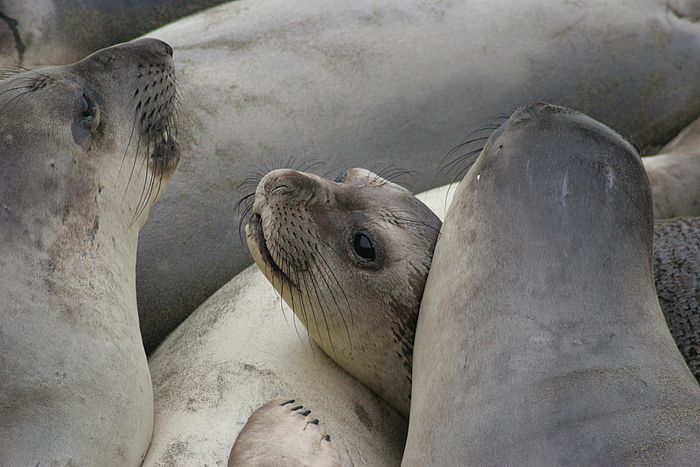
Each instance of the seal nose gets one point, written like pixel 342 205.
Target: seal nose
pixel 278 187
pixel 277 183
pixel 155 45
pixel 290 184
pixel 168 49
pixel 282 182
pixel 273 185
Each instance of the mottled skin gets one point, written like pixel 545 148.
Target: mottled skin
pixel 369 83
pixel 85 150
pixel 542 342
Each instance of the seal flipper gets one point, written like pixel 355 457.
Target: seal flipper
pixel 281 433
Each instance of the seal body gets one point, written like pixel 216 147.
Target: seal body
pixel 350 257
pixel 676 268
pixel 58 32
pixel 240 349
pixel 674 174
pixel 374 83
pixel 85 149
pixel 551 347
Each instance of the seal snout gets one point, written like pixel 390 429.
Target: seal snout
pixel 277 183
pixel 537 110
pixel 291 184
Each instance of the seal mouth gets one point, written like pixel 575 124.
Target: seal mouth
pixel 165 154
pixel 254 232
pixel 162 156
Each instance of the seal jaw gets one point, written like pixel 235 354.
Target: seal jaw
pixel 261 254
pixel 165 156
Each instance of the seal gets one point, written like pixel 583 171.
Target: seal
pixel 304 237
pixel 676 268
pixel 549 311
pixel 58 32
pixel 350 257
pixel 242 348
pixel 340 85
pixel 236 352
pixel 86 150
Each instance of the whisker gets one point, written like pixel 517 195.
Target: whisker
pixel 391 173
pixel 314 288
pixel 326 280
pixel 446 167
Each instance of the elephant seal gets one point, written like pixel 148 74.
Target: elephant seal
pixel 237 352
pixel 57 32
pixel 85 151
pixel 303 236
pixel 240 349
pixel 350 257
pixel 542 341
pixel 371 83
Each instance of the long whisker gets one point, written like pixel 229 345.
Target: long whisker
pixel 336 285
pixel 470 156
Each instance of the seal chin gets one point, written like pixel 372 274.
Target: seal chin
pixel 261 254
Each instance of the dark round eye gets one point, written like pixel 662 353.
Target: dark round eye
pixel 341 178
pixel 363 246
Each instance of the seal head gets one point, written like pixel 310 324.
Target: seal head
pixel 350 257
pixel 540 339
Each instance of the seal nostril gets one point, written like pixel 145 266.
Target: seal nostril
pixel 280 189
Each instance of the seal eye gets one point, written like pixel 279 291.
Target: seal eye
pixel 86 108
pixel 363 247
pixel 341 178
pixel 86 121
